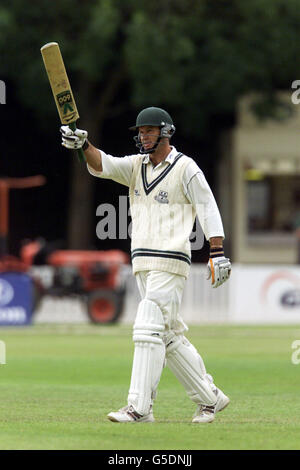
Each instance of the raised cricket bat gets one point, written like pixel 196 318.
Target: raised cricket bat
pixel 61 87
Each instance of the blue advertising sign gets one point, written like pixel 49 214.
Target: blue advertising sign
pixel 16 299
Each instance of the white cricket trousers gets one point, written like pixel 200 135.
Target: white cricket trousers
pixel 166 290
pixel 158 336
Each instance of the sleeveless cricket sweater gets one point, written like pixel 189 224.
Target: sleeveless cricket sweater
pixel 162 218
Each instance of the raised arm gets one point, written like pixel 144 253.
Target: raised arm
pixel 98 162
pixel 93 156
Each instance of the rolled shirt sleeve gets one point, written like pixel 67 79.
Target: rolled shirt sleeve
pixel 199 194
pixel 118 169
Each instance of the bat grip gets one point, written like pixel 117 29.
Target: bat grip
pixel 80 153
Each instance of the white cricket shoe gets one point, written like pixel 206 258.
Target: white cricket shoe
pixel 129 415
pixel 204 414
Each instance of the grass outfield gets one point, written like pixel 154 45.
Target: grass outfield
pixel 61 381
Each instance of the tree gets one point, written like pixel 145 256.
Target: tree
pixel 194 57
pixel 205 55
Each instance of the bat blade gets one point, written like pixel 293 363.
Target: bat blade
pixel 60 86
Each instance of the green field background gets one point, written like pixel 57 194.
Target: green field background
pixel 59 382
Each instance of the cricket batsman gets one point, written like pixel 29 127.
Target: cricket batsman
pixel 167 190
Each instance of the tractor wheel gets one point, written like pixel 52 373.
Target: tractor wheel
pixel 105 306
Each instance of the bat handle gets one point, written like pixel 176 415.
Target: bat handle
pixel 80 153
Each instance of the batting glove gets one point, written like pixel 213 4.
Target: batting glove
pixel 73 139
pixel 218 267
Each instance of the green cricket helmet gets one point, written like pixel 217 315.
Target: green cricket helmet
pixel 153 117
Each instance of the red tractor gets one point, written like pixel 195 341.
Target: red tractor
pixel 95 276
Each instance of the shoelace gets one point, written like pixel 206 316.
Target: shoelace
pixel 208 409
pixel 204 409
pixel 131 412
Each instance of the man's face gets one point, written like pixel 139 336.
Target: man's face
pixel 148 136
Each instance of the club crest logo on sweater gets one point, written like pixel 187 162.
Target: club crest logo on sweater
pixel 162 197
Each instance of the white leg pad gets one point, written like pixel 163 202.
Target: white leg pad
pixel 207 376
pixel 186 364
pixel 149 356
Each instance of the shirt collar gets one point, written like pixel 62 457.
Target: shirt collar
pixel 169 158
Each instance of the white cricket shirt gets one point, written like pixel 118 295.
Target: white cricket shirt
pixel 195 186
